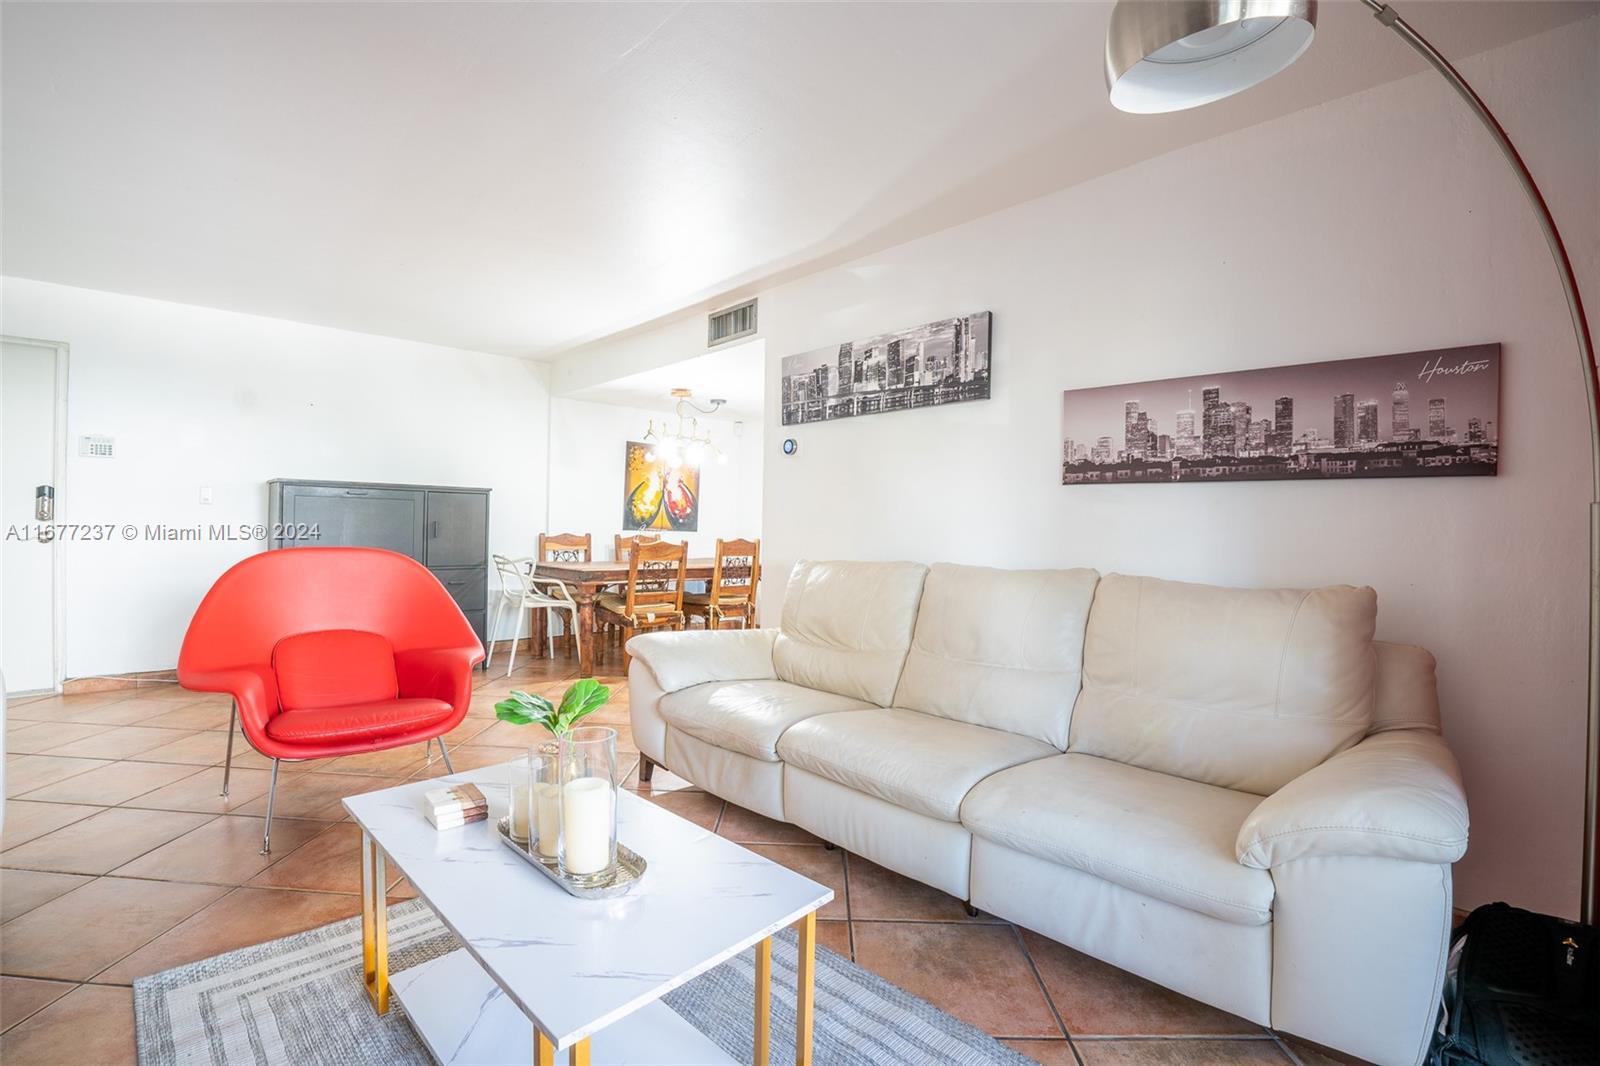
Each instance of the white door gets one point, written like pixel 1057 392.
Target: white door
pixel 28 450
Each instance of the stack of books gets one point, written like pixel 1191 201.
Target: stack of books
pixel 453 807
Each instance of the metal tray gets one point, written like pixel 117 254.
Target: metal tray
pixel 630 867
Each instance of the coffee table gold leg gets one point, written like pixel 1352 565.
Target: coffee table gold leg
pixel 544 1052
pixel 763 1049
pixel 805 988
pixel 579 1054
pixel 374 924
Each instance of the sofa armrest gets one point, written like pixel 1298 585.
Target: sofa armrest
pixel 1394 795
pixel 681 659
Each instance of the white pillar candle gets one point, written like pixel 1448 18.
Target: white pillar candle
pixel 519 813
pixel 548 801
pixel 586 821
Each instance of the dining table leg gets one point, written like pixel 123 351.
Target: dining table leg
pixel 586 629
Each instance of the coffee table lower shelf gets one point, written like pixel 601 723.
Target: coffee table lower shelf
pixel 463 1017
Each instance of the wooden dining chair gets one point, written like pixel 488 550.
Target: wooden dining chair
pixel 625 543
pixel 654 596
pixel 732 593
pixel 565 548
pixel 558 548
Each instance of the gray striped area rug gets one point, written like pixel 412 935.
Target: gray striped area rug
pixel 300 1000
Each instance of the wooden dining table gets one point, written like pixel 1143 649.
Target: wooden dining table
pixel 586 581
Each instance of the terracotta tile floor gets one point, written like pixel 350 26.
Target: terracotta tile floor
pixel 119 860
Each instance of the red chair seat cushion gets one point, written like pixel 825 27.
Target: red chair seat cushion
pixel 357 721
pixel 334 668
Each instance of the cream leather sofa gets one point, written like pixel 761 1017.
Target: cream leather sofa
pixel 1236 793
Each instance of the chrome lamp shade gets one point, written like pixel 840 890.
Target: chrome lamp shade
pixel 1176 55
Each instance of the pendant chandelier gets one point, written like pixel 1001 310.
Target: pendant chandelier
pixel 685 443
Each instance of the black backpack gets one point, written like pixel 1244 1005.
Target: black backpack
pixel 1524 991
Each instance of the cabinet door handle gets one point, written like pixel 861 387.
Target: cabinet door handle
pixel 433 530
pixel 355 492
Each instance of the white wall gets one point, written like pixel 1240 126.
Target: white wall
pixel 201 397
pixel 587 441
pixel 1379 223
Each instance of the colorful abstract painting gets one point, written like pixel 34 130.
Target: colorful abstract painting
pixel 658 494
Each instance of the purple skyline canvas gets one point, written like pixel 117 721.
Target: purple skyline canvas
pixel 1417 414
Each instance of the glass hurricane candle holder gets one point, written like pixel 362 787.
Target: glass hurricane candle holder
pixel 542 803
pixel 588 843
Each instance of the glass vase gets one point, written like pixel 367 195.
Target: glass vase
pixel 542 803
pixel 588 844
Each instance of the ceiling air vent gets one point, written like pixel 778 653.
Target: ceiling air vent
pixel 731 323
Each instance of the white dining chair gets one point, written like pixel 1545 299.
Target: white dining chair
pixel 522 591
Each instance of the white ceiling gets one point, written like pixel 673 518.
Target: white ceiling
pixel 522 177
pixel 736 373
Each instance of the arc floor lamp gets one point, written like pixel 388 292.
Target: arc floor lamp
pixel 1169 55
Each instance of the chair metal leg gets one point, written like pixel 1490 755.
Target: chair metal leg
pixel 550 632
pixel 227 764
pixel 445 755
pixel 577 636
pixel 272 795
pixel 512 662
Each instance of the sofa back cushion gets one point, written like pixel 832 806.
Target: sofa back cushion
pixel 1000 648
pixel 334 668
pixel 1242 688
pixel 846 627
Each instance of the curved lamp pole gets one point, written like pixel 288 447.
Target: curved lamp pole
pixel 1177 54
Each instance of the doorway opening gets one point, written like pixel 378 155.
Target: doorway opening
pixel 33 467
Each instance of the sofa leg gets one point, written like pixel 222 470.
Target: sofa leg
pixel 227 763
pixel 272 795
pixel 972 912
pixel 445 755
pixel 647 768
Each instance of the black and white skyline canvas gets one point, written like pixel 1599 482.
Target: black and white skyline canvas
pixel 1418 414
pixel 936 363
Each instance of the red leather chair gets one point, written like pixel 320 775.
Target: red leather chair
pixel 331 651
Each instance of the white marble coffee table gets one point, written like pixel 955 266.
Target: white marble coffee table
pixel 540 971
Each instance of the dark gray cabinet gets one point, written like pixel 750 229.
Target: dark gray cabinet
pixel 443 527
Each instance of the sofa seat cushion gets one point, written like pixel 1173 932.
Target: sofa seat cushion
pixel 1164 836
pixel 357 721
pixel 643 613
pixel 748 716
pixel 333 667
pixel 917 761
